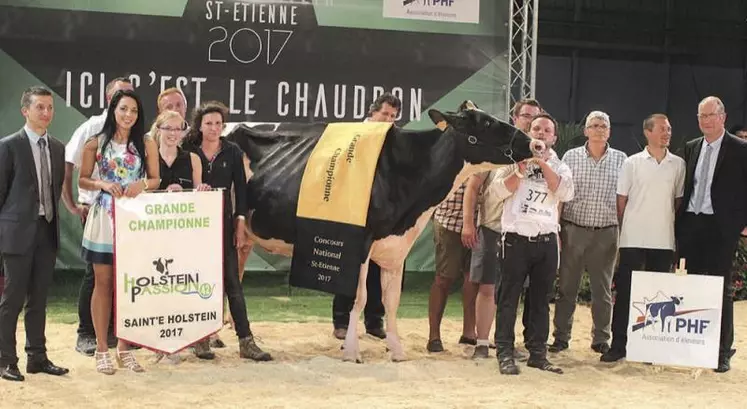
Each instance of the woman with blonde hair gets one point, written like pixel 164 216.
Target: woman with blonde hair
pixel 179 169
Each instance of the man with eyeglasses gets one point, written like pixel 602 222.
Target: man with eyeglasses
pixel 86 343
pixel 523 113
pixel 589 234
pixel 714 209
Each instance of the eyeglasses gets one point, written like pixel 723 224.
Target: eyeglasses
pixel 703 117
pixel 603 127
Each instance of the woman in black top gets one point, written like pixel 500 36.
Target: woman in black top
pixel 179 168
pixel 223 167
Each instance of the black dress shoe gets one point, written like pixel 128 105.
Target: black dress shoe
pixel 613 355
pixel 376 332
pixel 601 348
pixel 724 365
pixel 11 373
pixel 557 346
pixel 724 362
pixel 46 367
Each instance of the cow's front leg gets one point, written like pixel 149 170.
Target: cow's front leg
pixel 351 348
pixel 391 289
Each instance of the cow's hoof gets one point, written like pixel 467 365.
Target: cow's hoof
pixel 351 354
pixel 395 348
pixel 399 358
pixel 353 358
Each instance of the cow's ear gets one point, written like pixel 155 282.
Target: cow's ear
pixel 438 118
pixel 171 260
pixel 155 262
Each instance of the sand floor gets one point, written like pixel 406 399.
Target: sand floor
pixel 308 372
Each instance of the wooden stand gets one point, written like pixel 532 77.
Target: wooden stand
pixel 681 271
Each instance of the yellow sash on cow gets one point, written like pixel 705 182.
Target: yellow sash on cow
pixel 333 206
pixel 336 185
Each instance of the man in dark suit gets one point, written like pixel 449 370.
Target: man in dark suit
pixel 32 168
pixel 714 209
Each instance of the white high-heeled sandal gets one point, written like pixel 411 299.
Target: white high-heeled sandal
pixel 104 363
pixel 126 359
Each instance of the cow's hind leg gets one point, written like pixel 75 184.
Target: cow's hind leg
pixel 391 290
pixel 351 347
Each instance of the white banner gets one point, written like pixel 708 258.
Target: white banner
pixel 452 11
pixel 169 268
pixel 675 320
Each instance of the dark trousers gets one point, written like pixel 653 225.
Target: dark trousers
pixel 538 260
pixel 85 321
pixel 633 259
pixel 374 311
pixel 27 280
pixel 525 321
pixel 708 252
pixel 525 318
pixel 231 284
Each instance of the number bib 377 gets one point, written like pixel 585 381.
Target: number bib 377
pixel 535 202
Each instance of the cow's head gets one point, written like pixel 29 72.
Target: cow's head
pixel 676 300
pixel 482 137
pixel 162 265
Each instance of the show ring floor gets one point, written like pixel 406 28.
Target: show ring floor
pixel 308 372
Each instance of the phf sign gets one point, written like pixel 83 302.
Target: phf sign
pixel 675 319
pixel 169 268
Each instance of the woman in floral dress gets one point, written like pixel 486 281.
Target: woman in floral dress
pixel 128 165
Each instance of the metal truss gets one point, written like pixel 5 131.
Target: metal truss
pixel 522 50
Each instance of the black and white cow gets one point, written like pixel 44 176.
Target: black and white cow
pixel 416 171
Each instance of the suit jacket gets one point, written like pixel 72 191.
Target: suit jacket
pixel 19 191
pixel 729 186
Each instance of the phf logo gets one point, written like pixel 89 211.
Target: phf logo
pixel 658 313
pixel 445 3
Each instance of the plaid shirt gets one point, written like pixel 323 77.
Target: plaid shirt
pixel 595 203
pixel 449 213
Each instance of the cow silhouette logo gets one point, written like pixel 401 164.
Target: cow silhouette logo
pixel 162 265
pixel 661 309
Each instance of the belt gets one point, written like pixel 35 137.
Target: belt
pixel 540 238
pixel 590 227
pixel 692 214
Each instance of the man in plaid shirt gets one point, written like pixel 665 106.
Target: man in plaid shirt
pixel 452 261
pixel 589 234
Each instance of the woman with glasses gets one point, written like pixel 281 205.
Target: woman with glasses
pixel 180 169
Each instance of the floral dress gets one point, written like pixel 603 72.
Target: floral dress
pixel 119 165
